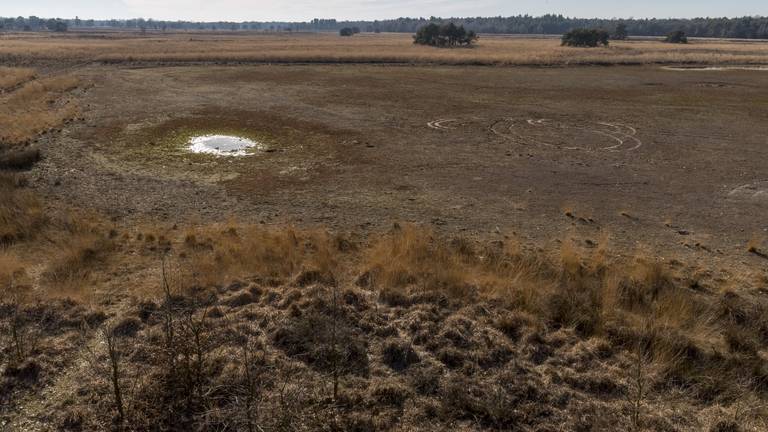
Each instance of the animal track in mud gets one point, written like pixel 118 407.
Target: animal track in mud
pixel 556 134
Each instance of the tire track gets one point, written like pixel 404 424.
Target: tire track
pixel 621 137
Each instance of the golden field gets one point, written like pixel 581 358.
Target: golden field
pixel 118 47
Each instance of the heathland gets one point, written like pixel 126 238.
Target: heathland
pixel 513 236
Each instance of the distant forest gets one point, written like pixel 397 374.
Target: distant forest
pixel 746 27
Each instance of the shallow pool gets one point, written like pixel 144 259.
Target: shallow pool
pixel 222 145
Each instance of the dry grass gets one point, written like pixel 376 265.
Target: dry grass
pixel 219 253
pixel 410 305
pixel 382 48
pixel 577 289
pixel 35 108
pixel 11 270
pixel 11 77
pixel 411 256
pixel 21 212
pixel 79 247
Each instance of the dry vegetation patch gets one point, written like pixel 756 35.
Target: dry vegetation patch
pixel 11 77
pixel 36 107
pixel 277 327
pixel 381 48
pixel 21 211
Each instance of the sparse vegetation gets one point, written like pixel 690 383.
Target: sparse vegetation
pixel 328 327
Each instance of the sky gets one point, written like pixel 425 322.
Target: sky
pixel 304 10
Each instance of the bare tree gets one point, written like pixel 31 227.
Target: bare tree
pixel 114 356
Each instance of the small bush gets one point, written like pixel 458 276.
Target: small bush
pixel 346 31
pixel 585 38
pixel 677 36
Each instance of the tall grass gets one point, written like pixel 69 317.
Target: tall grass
pixel 573 288
pixel 227 251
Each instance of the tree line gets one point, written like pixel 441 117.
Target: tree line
pixel 744 27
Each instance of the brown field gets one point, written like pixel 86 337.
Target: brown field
pixel 421 244
pixel 121 47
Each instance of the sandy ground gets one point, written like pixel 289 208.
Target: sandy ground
pixel 668 159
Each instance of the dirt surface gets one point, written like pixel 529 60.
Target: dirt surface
pixel 644 155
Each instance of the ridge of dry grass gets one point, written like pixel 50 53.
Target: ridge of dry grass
pixel 11 77
pixel 34 108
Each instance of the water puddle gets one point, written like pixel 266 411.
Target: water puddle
pixel 223 145
pixel 715 68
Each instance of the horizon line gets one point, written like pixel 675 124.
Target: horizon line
pixel 757 16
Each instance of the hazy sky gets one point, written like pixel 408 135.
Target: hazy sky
pixel 302 10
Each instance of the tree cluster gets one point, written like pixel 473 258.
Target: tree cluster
pixel 34 23
pixel 349 31
pixel 677 36
pixel 586 38
pixel 446 35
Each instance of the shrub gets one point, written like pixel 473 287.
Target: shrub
pixel 444 36
pixel 585 38
pixel 677 36
pixel 346 31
